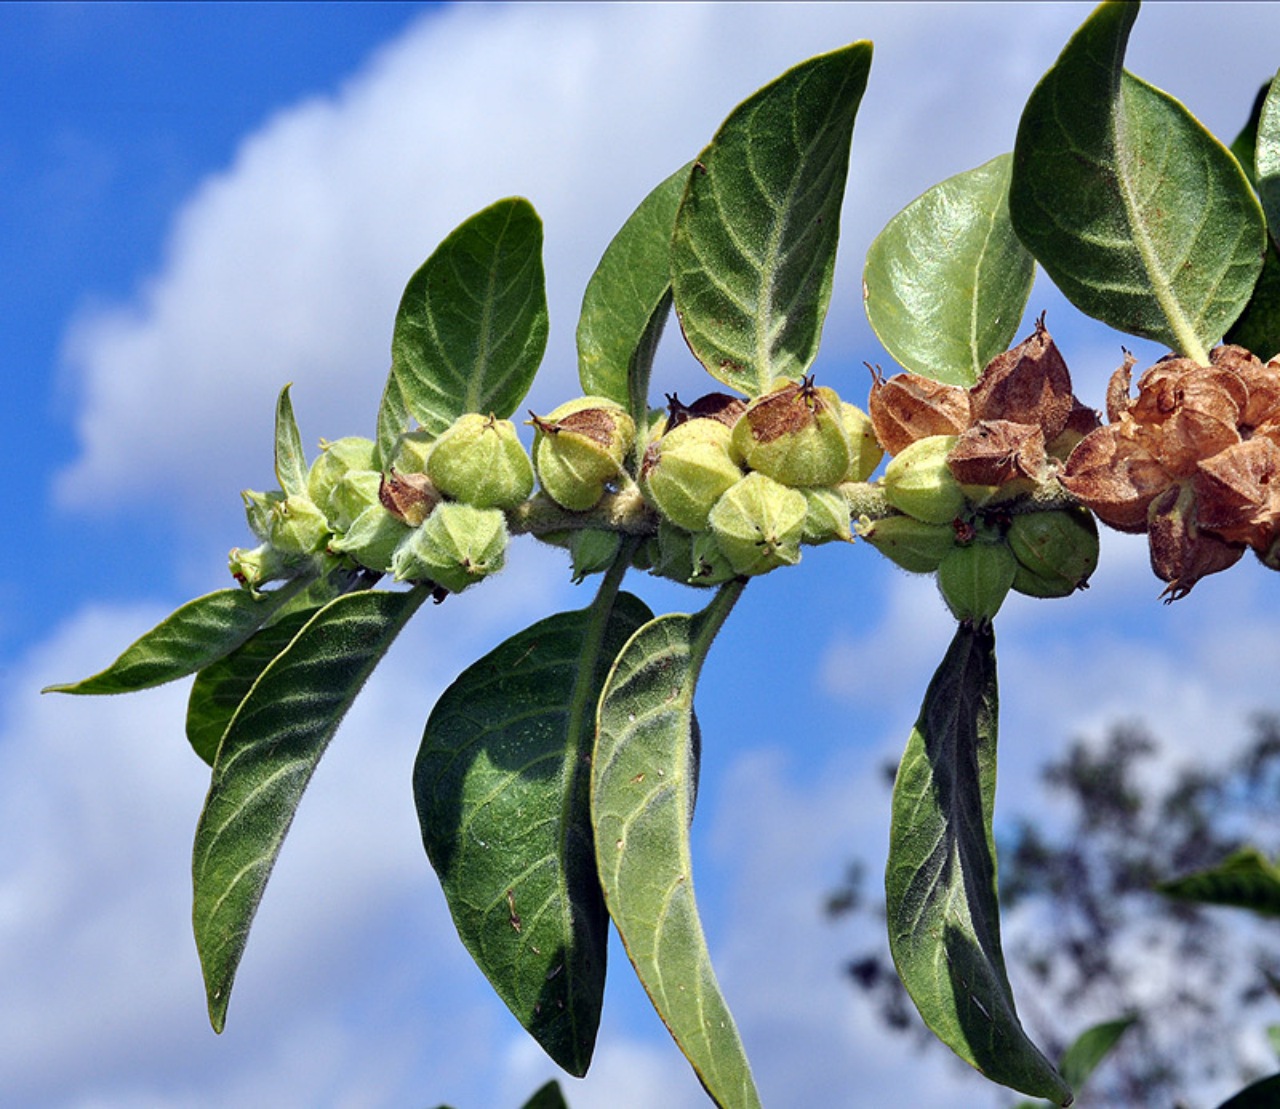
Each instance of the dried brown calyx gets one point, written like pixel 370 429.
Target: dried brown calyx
pixel 721 407
pixel 909 407
pixel 1019 414
pixel 1193 460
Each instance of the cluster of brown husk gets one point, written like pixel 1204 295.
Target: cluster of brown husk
pixel 1191 460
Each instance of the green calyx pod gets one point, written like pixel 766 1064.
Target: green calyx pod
pixel 710 564
pixel 355 493
pixel 593 551
pixel 413 448
pixel 975 579
pixel 372 539
pixel 480 461
pixel 336 459
pixel 1055 551
pixel 865 451
pixel 297 527
pixel 908 542
pixel 687 470
pixel 826 517
pixel 579 448
pixel 254 568
pixel 758 524
pixel 918 481
pixel 456 547
pixel 795 435
pixel 673 557
pixel 260 510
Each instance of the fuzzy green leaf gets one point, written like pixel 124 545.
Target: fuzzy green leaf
pixel 755 240
pixel 940 881
pixel 501 785
pixel 643 778
pixel 472 325
pixel 221 686
pixel 625 292
pixel 1141 217
pixel 291 460
pixel 1246 879
pixel 265 762
pixel 947 280
pixel 191 638
pixel 1267 158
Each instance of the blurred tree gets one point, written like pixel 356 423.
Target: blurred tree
pixel 1084 922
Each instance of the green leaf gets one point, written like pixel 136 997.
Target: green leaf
pixel 1246 879
pixel 1244 146
pixel 197 634
pixel 755 239
pixel 1263 1094
pixel 547 1097
pixel 1267 158
pixel 265 761
pixel 501 785
pixel 221 686
pixel 947 280
pixel 641 799
pixel 1141 217
pixel 1258 328
pixel 624 294
pixel 472 325
pixel 940 882
pixel 291 460
pixel 1093 1045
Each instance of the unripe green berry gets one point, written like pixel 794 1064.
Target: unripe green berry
pixel 411 453
pixel 256 567
pixel 372 538
pixel 710 564
pixel 480 461
pixel 917 481
pixel 336 458
pixel 975 579
pixel 297 527
pixel 795 435
pixel 1056 551
pixel 908 542
pixel 686 471
pixel 826 516
pixel 865 451
pixel 355 492
pixel 593 551
pixel 456 547
pixel 579 448
pixel 758 524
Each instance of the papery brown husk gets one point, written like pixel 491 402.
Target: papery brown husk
pixel 1114 476
pixel 908 407
pixel 1181 551
pixel 1238 492
pixel 1028 384
pixel 409 497
pixel 993 452
pixel 722 407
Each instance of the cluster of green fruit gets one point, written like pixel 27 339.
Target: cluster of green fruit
pixel 973 539
pixel 740 486
pixel 718 489
pixel 975 475
pixel 438 514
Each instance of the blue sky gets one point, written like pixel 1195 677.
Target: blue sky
pixel 198 204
